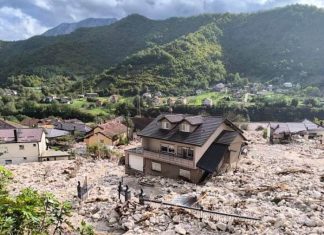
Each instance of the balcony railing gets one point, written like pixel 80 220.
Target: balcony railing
pixel 164 157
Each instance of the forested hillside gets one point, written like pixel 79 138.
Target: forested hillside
pixel 88 51
pixel 190 61
pixel 284 44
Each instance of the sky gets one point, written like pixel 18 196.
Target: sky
pixel 21 19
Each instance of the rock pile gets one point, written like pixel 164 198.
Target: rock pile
pixel 281 184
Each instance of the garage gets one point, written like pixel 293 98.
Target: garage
pixel 136 162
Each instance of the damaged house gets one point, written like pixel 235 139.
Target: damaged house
pixel 184 146
pixel 283 132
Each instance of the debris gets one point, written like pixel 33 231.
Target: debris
pixel 179 229
pixel 293 171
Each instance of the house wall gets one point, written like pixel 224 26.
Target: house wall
pixel 235 150
pixel 98 138
pixel 42 145
pixel 11 151
pixel 171 171
pixel 154 145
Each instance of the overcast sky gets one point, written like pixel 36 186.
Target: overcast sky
pixel 21 19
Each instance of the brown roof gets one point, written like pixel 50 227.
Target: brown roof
pixel 24 135
pixel 113 128
pixel 31 122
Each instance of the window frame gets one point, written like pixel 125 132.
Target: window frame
pixel 185 127
pixel 168 147
pixel 184 152
pixel 166 125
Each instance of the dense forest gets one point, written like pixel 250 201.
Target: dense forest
pixel 173 68
pixel 283 44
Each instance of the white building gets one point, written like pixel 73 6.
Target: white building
pixel 288 85
pixel 26 145
pixel 207 102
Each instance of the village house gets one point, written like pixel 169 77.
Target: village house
pixel 182 100
pixel 147 95
pixel 35 122
pixel 26 145
pixel 109 134
pixel 91 94
pixel 5 124
pixel 72 125
pixel 158 94
pixel 287 85
pixel 156 101
pixel 279 132
pixel 207 102
pixel 219 87
pixel 171 101
pixel 184 146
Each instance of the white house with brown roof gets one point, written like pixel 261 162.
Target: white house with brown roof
pixel 186 146
pixel 26 145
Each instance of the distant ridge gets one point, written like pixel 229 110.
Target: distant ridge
pixel 66 28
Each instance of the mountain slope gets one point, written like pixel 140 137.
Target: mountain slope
pixel 176 67
pixel 90 50
pixel 66 28
pixel 284 44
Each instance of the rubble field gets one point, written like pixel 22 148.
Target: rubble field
pixel 283 185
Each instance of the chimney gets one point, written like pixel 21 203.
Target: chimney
pixel 16 135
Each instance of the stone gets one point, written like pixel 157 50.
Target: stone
pixel 128 225
pixel 112 220
pixel 310 222
pixel 212 225
pixel 179 229
pixel 176 219
pixel 221 226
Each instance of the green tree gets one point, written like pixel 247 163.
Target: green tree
pixel 294 102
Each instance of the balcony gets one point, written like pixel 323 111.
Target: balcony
pixel 163 157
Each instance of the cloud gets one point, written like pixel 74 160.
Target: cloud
pixel 14 24
pixel 30 17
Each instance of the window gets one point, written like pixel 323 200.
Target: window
pixel 186 152
pixel 21 147
pixel 25 158
pixel 167 149
pixel 184 173
pixel 8 162
pixel 184 127
pixel 34 145
pixel 156 166
pixel 102 141
pixel 166 125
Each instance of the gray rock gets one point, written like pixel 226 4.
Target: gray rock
pixel 128 225
pixel 221 226
pixel 176 219
pixel 179 229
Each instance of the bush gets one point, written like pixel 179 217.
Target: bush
pixel 265 133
